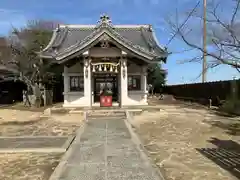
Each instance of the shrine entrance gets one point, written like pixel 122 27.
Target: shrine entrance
pixel 105 81
pixel 105 77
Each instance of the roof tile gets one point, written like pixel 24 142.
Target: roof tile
pixel 140 36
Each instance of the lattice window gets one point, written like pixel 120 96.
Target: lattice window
pixel 76 83
pixel 134 82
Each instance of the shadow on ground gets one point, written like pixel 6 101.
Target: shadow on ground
pixel 22 107
pixel 232 128
pixel 170 100
pixel 19 123
pixel 226 155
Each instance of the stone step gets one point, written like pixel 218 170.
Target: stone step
pixel 76 112
pixel 106 113
pixel 94 115
pixel 106 118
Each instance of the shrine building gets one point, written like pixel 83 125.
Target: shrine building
pixel 101 56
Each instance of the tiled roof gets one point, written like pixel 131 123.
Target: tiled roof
pixel 139 36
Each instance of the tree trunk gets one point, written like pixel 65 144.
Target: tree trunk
pixel 152 91
pixel 26 99
pixel 48 97
pixel 37 95
pixel 32 96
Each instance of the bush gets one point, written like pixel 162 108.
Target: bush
pixel 231 106
pixel 107 93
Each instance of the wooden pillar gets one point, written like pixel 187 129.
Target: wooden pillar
pixel 124 82
pixel 87 81
pixel 66 84
pixel 144 83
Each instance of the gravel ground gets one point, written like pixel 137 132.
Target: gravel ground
pixel 31 122
pixel 174 136
pixel 27 166
pixel 28 123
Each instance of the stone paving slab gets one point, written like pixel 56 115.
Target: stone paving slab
pixel 105 150
pixel 35 144
pixel 84 172
pixel 87 154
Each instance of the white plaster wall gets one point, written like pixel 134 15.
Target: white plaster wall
pixel 137 97
pixel 85 98
pixel 73 99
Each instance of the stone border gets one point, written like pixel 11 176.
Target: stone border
pixel 32 150
pixel 19 137
pixel 68 142
pixel 61 166
pixel 61 149
pixel 144 153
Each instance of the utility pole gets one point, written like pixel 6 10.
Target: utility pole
pixel 204 64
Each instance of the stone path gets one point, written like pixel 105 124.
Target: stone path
pixel 35 144
pixel 104 151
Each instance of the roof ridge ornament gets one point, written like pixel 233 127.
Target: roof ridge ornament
pixel 150 27
pixel 105 20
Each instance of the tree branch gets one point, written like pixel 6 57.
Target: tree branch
pixel 225 43
pixel 235 12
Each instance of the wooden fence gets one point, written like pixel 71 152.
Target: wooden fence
pixel 11 91
pixel 216 91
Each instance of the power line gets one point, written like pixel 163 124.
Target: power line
pixel 183 24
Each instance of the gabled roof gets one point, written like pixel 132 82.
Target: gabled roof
pixel 70 39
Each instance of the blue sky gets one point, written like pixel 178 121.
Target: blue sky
pixel 16 13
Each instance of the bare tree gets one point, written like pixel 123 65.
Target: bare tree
pixel 24 44
pixel 223 32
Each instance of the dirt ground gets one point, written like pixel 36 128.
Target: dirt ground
pixel 15 122
pixel 176 136
pixel 23 121
pixel 27 166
